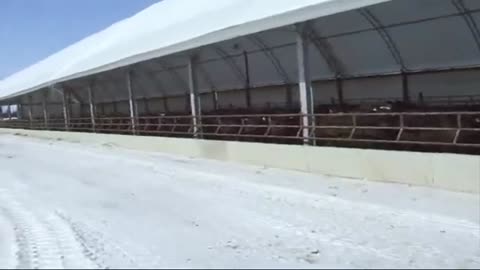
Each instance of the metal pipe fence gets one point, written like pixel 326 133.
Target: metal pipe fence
pixel 414 128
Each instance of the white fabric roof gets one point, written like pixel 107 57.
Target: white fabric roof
pixel 168 27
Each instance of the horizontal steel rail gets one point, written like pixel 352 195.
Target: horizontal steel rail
pixel 415 128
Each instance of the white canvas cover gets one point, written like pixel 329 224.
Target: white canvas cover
pixel 168 27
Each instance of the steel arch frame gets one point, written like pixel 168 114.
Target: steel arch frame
pixel 270 54
pixel 465 13
pixel 385 35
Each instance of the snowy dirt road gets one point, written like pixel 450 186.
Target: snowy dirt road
pixel 66 205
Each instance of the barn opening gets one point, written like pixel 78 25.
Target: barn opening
pixel 400 75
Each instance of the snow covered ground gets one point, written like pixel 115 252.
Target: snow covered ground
pixel 74 205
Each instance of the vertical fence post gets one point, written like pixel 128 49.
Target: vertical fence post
pixel 459 128
pixel 354 126
pixel 402 124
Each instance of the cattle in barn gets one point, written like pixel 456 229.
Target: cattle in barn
pixel 379 122
pixel 147 125
pixel 222 124
pixel 254 127
pixel 280 124
pixel 228 127
pixel 287 128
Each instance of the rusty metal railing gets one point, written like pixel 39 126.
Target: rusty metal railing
pixel 417 128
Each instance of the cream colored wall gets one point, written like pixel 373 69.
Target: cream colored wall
pixel 446 171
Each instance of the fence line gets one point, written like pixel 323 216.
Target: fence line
pixel 419 128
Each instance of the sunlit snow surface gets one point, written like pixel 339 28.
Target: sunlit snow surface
pixel 66 205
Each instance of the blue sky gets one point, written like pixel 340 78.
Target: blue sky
pixel 31 30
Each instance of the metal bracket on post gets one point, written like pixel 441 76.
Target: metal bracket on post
pixel 194 98
pixel 91 102
pixel 132 102
pixel 304 83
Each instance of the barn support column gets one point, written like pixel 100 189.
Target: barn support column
pixel 66 108
pixel 405 88
pixel 165 104
pixel 146 106
pixel 187 102
pixel 9 112
pixel 289 96
pixel 339 84
pixel 248 95
pixel 91 101
pixel 114 107
pixel 30 111
pixel 132 103
pixel 215 100
pixel 194 99
pixel 102 108
pixel 19 113
pixel 45 109
pixel 304 84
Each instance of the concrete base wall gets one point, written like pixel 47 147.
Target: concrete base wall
pixel 447 171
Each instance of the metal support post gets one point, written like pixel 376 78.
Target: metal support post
pixel 289 96
pixel 194 98
pixel 215 99
pixel 405 88
pixel 91 102
pixel 304 83
pixel 45 109
pixel 247 80
pixel 66 109
pixel 30 111
pixel 165 105
pixel 132 102
pixel 146 106
pixel 340 98
pixel 9 111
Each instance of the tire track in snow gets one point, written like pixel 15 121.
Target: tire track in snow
pixel 41 243
pixel 103 252
pixel 8 249
pixel 71 251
